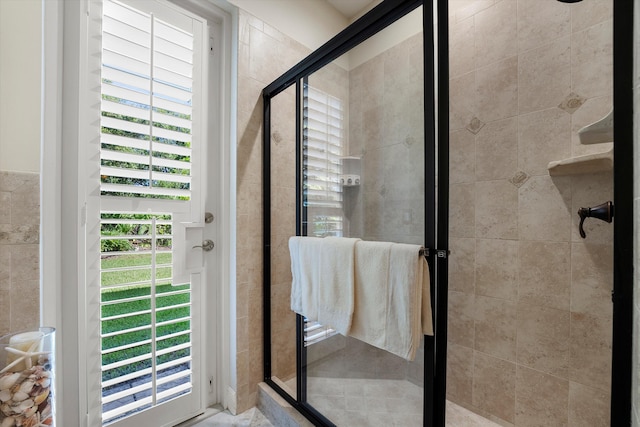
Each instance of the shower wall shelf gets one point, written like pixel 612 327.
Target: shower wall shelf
pixel 590 163
pixel 351 170
pixel 597 132
pixel 350 180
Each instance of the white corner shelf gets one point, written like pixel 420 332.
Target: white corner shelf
pixel 597 132
pixel 589 163
pixel 351 169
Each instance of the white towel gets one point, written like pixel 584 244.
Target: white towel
pixel 392 307
pixel 302 291
pixel 370 299
pixel 323 279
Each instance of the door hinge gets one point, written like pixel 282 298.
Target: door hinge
pixel 439 253
pixel 211 384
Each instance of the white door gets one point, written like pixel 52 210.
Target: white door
pixel 147 278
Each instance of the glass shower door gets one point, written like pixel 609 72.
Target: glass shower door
pixel 349 151
pixel 363 176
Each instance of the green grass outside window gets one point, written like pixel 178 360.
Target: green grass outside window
pixel 136 313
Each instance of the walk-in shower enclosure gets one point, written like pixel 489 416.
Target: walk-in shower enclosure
pixel 349 150
pixel 440 123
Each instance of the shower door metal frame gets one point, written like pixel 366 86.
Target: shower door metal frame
pixel 436 211
pixel 623 225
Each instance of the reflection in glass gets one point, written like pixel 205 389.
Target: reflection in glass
pixel 363 172
pixel 283 225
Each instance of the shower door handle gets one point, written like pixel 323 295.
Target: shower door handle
pixel 602 212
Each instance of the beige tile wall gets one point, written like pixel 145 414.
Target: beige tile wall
pixel 19 256
pixel 386 130
pixel 264 54
pixel 530 303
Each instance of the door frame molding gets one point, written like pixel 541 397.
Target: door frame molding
pixel 51 202
pixel 61 234
pixel 224 371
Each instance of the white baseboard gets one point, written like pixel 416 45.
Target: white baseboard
pixel 230 401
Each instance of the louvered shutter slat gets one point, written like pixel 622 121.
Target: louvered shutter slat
pixel 159 147
pixel 125 110
pixel 168 177
pixel 173 34
pixel 136 66
pixel 126 15
pixel 174 50
pixel 126 125
pixel 172 120
pixel 139 34
pixel 154 191
pixel 171 164
pixel 138 404
pixel 125 48
pixel 172 135
pixel 123 141
pixel 164 75
pixel 128 78
pixel 125 393
pixel 319 163
pixel 126 95
pixel 125 347
pixel 173 106
pixel 124 173
pixel 119 156
pixel 172 92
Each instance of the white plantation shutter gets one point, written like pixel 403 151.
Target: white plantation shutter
pixel 147 89
pixel 145 317
pixel 315 332
pixel 150 151
pixel 323 135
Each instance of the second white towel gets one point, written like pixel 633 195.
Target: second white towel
pixel 392 307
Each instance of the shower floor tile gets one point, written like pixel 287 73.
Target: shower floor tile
pixel 459 416
pixel 372 403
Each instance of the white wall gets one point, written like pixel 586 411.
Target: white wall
pixel 310 22
pixel 20 72
pixel 314 22
pixel 405 27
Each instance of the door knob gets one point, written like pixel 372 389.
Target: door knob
pixel 207 245
pixel 602 212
